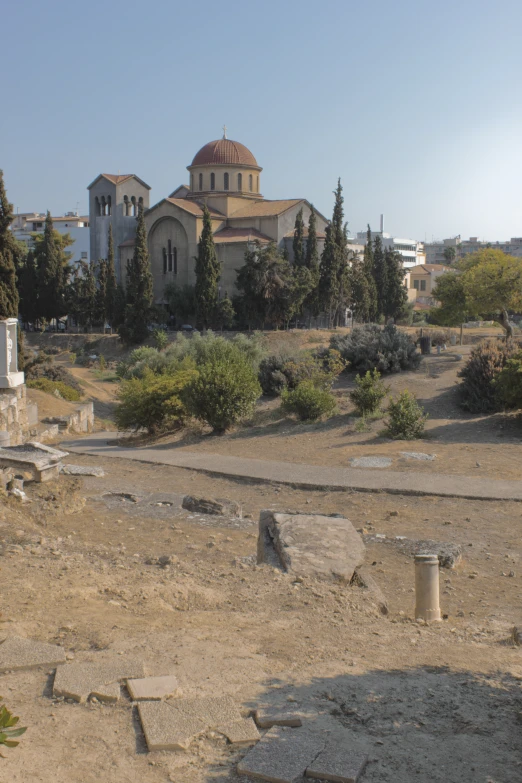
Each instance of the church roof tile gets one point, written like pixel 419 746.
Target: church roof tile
pixel 228 235
pixel 193 207
pixel 266 208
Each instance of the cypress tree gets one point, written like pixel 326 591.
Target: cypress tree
pixel 112 286
pixel 8 291
pixel 298 243
pixel 139 290
pixel 312 263
pixel 359 289
pixel 28 289
pixel 380 276
pixel 52 275
pixel 328 280
pixel 208 270
pixel 370 280
pixel 397 295
pixel 101 293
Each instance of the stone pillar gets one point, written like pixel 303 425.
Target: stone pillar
pixel 10 378
pixel 427 588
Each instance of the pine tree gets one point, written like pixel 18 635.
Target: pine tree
pixel 380 275
pixel 225 313
pixel 370 280
pixel 298 243
pixel 8 291
pixel 112 285
pixel 208 272
pixel 139 290
pixel 53 271
pixel 396 294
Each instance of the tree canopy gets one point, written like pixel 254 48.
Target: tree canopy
pixel 8 291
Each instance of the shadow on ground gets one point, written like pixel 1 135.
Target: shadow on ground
pixel 424 724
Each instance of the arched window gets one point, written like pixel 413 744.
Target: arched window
pixel 103 206
pixel 192 182
pixel 225 181
pixel 97 205
pixel 126 206
pixel 164 261
pixel 250 182
pixel 212 181
pixel 140 204
pixel 257 186
pixel 109 205
pixel 240 182
pixel 175 260
pixel 133 207
pixel 201 181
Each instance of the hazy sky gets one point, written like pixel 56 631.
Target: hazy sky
pixel 415 104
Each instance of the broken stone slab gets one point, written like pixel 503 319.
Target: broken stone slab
pixel 153 688
pixel 371 462
pixel 449 554
pixel 362 578
pixel 78 681
pixel 243 732
pixel 166 728
pixel 216 506
pixel 282 756
pixel 212 710
pixel 19 653
pixel 55 454
pixel 340 762
pixel 418 455
pixel 311 545
pixel 268 717
pixel 83 470
pixel 109 694
pixel 34 460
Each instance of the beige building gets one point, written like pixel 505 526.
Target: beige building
pixel 421 281
pixel 225 176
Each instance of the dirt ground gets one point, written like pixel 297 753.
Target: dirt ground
pixel 438 703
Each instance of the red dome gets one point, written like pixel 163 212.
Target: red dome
pixel 224 152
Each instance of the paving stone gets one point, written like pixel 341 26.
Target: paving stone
pixel 418 455
pixel 153 688
pixel 310 545
pixel 79 680
pixel 107 693
pixel 243 732
pixel 166 728
pixel 282 756
pixel 83 470
pixel 339 762
pixel 213 711
pixel 273 716
pixel 19 653
pixel 371 462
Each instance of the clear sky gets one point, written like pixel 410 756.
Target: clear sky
pixel 415 104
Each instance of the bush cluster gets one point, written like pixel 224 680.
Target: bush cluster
pixel 369 393
pixel 42 366
pixel 279 371
pixel 46 385
pixel 478 390
pixel 308 401
pixel 369 347
pixel 153 402
pixel 508 383
pixel 406 418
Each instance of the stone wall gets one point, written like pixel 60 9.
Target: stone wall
pixel 17 416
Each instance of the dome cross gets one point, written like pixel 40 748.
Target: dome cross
pixel 224 131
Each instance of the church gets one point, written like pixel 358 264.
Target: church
pixel 225 176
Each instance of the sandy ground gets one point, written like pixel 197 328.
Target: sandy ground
pixel 439 703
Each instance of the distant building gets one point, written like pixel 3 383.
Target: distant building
pixel 449 250
pixel 26 224
pixel 421 281
pixel 411 251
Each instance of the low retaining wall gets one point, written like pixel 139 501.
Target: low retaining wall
pixel 82 420
pixel 17 415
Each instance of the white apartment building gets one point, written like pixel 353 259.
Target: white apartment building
pixel 27 223
pixel 411 251
pixel 447 250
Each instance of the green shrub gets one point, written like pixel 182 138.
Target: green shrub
pixel 161 339
pixel 406 417
pixel 8 732
pixel 226 389
pixel 153 402
pixel 308 401
pixel 102 362
pixel 369 393
pixel 508 383
pixel 478 393
pixel 279 372
pixel 46 385
pixel 369 347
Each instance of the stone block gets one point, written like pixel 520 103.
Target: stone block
pixel 217 506
pixel 78 681
pixel 83 470
pixel 340 762
pixel 153 688
pixel 166 728
pixel 243 732
pixel 371 462
pixel 282 756
pixel 109 694
pixel 311 545
pixel 19 653
pixel 273 716
pixel 213 710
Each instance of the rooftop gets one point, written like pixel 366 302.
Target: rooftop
pixel 224 152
